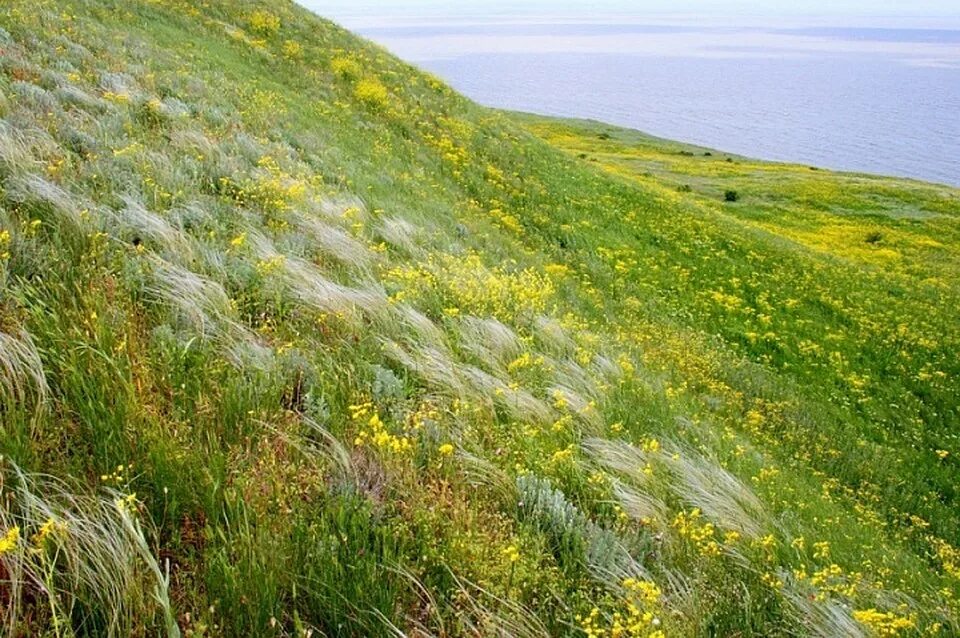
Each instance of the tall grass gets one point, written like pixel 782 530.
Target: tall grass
pixel 85 556
pixel 321 364
pixel 22 379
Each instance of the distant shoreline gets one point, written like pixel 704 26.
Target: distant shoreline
pixel 699 149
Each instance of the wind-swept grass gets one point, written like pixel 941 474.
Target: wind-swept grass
pixel 22 380
pixel 82 561
pixel 318 347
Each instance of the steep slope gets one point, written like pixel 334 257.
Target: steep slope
pixel 294 340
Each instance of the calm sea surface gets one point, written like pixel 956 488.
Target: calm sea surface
pixel 874 100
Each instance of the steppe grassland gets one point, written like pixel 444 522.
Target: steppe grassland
pixel 316 344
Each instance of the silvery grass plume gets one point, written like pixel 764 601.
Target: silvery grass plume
pixel 161 578
pixel 481 473
pixel 215 161
pixel 34 97
pixel 639 506
pixel 195 142
pixel 424 330
pixel 641 495
pixel 79 552
pixel 602 367
pixel 721 496
pixel 620 457
pixel 20 145
pixel 245 146
pixel 136 222
pixel 53 77
pixel 13 150
pixel 433 365
pixel 584 409
pixel 484 388
pixel 479 612
pixel 70 94
pixel 120 84
pixel 314 290
pixel 489 339
pixel 210 258
pixel 483 613
pixel 552 335
pixel 522 405
pixel 813 616
pixel 22 380
pixel 519 403
pixel 679 592
pixel 339 207
pixel 698 481
pixel 305 283
pixel 205 306
pixel 33 189
pixel 334 242
pixel 400 234
pixel 195 214
pixel 172 173
pixel 77 52
pixel 201 301
pixel 172 108
pixel 566 372
pixel 429 610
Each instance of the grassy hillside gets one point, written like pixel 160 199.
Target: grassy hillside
pixel 295 341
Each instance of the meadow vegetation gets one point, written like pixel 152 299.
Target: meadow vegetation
pixel 296 341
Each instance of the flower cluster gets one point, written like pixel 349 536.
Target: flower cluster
pixel 884 624
pixel 634 616
pixel 10 539
pixel 373 431
pixel 373 93
pixel 691 526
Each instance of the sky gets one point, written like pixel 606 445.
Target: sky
pixel 697 28
pixel 888 13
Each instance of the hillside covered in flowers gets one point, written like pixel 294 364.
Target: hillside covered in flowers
pixel 297 341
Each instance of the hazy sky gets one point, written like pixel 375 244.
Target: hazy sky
pixel 664 28
pixel 925 13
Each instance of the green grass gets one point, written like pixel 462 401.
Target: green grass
pixel 295 340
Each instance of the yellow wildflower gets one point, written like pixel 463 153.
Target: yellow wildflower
pixel 371 92
pixel 51 527
pixel 292 50
pixel 239 240
pixel 264 23
pixel 883 623
pixel 821 550
pixel 9 541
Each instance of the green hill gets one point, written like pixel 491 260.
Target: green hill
pixel 295 340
